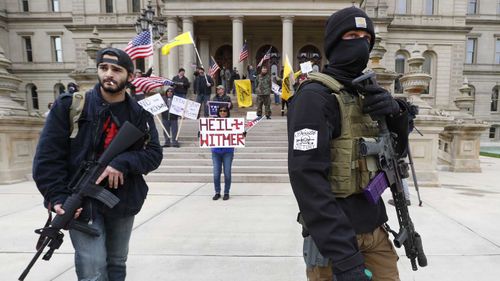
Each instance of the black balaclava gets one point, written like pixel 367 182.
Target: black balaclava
pixel 347 58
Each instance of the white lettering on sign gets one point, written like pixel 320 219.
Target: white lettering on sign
pixel 222 132
pixel 154 104
pixel 305 139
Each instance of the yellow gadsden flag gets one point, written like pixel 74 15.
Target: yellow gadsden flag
pixel 286 90
pixel 243 92
pixel 183 39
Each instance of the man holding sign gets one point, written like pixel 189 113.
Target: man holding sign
pixel 222 135
pixel 169 120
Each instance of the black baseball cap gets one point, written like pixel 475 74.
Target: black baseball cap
pixel 122 60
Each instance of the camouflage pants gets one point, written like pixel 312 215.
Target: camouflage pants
pixel 380 257
pixel 266 101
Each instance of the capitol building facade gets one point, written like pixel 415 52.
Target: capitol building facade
pixel 45 40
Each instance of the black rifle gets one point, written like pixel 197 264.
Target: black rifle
pixel 395 169
pixel 83 185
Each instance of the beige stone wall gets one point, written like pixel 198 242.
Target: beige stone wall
pixel 443 34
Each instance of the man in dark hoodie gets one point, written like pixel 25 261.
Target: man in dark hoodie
pixel 343 232
pixel 59 155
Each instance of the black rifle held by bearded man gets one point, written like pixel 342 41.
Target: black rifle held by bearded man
pixel 394 169
pixel 83 185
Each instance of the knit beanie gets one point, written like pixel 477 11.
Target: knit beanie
pixel 344 20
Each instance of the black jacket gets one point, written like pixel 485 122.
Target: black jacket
pixel 181 84
pixel 58 157
pixel 332 222
pixel 201 87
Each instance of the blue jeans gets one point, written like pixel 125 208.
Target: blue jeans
pixel 219 160
pixel 277 98
pixel 202 99
pixel 103 258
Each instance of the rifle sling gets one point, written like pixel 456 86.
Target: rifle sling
pixel 41 239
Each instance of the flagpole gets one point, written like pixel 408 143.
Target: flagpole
pixel 151 58
pixel 182 120
pixel 163 127
pixel 198 54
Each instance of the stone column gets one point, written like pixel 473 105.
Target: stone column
pixel 188 58
pixel 237 42
pixel 429 122
pixel 19 132
pixel 205 52
pixel 173 57
pixel 287 38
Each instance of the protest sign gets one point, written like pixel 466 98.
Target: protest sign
pixel 222 132
pixel 213 107
pixel 251 115
pixel 276 88
pixel 154 104
pixel 183 107
pixel 306 67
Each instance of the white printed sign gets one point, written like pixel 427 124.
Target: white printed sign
pixel 222 132
pixel 306 67
pixel 276 88
pixel 154 104
pixel 251 115
pixel 184 107
pixel 305 139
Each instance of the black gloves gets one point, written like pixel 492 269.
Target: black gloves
pixel 378 101
pixel 359 273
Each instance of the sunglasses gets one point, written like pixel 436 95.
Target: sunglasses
pixel 222 110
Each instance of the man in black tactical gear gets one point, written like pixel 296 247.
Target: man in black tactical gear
pixel 343 235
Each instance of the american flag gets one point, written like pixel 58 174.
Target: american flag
pixel 251 123
pixel 140 46
pixel 147 84
pixel 214 67
pixel 244 52
pixel 265 57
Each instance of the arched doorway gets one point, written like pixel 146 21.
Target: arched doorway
pixel 58 90
pixel 32 97
pixel 224 58
pixel 273 63
pixel 310 53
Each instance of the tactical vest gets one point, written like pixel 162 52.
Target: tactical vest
pixel 350 173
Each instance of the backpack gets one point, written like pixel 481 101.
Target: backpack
pixel 75 111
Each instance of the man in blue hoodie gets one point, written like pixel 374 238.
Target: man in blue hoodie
pixel 60 154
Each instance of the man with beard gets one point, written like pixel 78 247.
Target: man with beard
pixel 263 89
pixel 343 232
pixel 62 149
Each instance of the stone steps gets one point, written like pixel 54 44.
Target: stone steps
pixel 239 155
pixel 236 162
pixel 247 149
pixel 208 177
pixel 263 159
pixel 235 169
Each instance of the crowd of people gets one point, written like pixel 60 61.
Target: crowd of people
pixel 345 238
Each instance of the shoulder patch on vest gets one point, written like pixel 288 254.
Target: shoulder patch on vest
pixel 305 139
